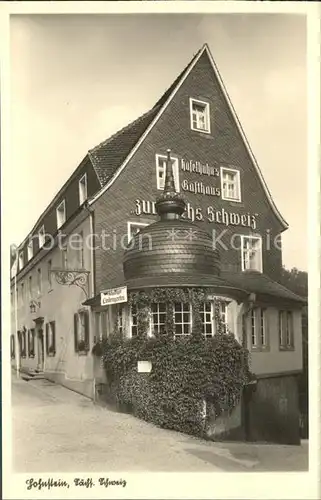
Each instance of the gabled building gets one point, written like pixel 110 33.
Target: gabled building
pixel 75 250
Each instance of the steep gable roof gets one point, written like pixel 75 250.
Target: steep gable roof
pixel 129 139
pixel 110 154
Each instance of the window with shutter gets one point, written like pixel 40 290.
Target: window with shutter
pixel 81 332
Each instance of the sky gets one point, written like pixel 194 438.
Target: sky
pixel 77 79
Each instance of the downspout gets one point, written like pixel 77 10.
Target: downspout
pixel 91 284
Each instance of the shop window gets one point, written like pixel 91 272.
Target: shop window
pixel 51 338
pixel 286 333
pixel 200 116
pixel 41 236
pixel 230 184
pixel 258 328
pixel 83 189
pixel 81 332
pixel 182 318
pixel 61 214
pixel 30 249
pixel 158 318
pixel 12 347
pixel 251 248
pixel 31 343
pixel 161 172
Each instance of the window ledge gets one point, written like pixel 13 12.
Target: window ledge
pixel 260 349
pixel 82 353
pixel 285 349
pixel 51 354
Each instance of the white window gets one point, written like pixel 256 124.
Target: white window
pixel 41 236
pixel 120 318
pixel 134 228
pixel 286 335
pixel 159 314
pixel 20 260
pixel 30 249
pixel 182 318
pixel 251 253
pixel 133 321
pixel 259 328
pixel 230 184
pixel 51 338
pixel 200 115
pixel 209 322
pixel 161 172
pixel 61 214
pixel 83 189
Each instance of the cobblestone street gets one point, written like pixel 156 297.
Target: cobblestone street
pixel 55 430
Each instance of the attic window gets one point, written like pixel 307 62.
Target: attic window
pixel 83 189
pixel 200 116
pixel 61 214
pixel 41 236
pixel 30 249
pixel 20 260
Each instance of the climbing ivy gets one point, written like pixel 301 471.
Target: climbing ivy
pixel 186 370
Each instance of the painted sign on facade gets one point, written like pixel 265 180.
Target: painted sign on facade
pixel 113 296
pixel 210 214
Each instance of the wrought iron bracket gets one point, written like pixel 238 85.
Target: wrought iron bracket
pixel 77 277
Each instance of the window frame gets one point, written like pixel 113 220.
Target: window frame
pixel 250 237
pixel 259 313
pixel 41 236
pixel 39 281
pixel 30 250
pixel 283 331
pixel 133 324
pixel 51 346
pixel 82 186
pixel 238 175
pixel 206 105
pixel 175 166
pixel 59 212
pixel 21 260
pixel 30 286
pixel 49 268
pixel 159 324
pixel 182 312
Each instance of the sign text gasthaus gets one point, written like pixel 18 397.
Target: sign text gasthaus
pixel 210 214
pixel 113 296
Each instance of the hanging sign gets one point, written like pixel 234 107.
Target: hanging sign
pixel 113 296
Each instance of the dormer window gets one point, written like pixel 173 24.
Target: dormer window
pixel 30 250
pixel 161 172
pixel 61 214
pixel 41 236
pixel 83 189
pixel 230 184
pixel 200 116
pixel 251 253
pixel 20 260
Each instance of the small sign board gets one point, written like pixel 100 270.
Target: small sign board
pixel 113 296
pixel 144 366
